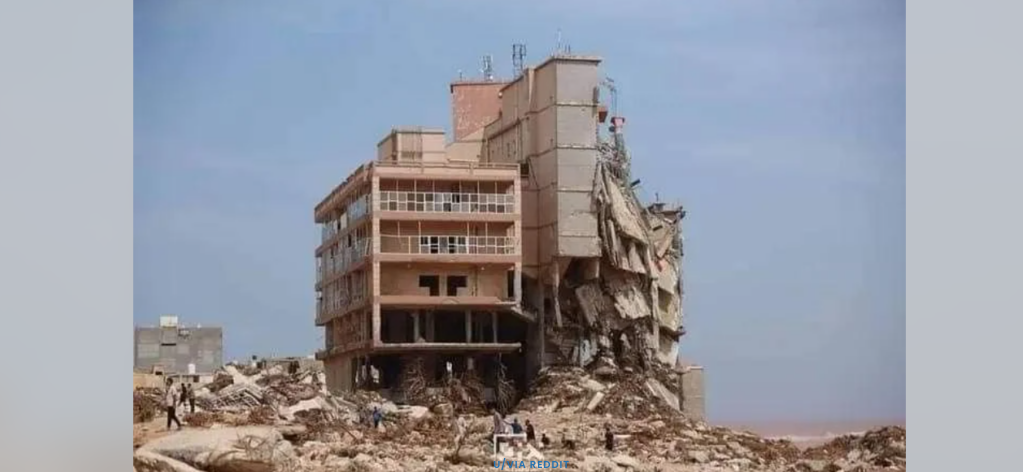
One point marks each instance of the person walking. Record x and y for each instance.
(183, 394)
(192, 399)
(610, 439)
(170, 403)
(377, 417)
(530, 432)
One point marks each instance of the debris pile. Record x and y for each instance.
(146, 404)
(268, 421)
(881, 448)
(626, 394)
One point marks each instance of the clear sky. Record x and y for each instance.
(779, 125)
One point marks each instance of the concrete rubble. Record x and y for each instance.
(285, 431)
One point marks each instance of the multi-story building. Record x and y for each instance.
(453, 252)
(421, 255)
(173, 348)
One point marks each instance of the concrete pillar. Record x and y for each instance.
(416, 325)
(469, 326)
(375, 324)
(494, 326)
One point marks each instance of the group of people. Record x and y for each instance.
(501, 426)
(174, 397)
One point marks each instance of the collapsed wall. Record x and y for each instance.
(624, 308)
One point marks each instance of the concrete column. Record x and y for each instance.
(416, 325)
(375, 324)
(469, 326)
(494, 326)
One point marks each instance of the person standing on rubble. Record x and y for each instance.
(499, 427)
(531, 438)
(610, 439)
(171, 402)
(183, 394)
(377, 417)
(192, 399)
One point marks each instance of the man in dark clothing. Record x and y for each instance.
(610, 439)
(517, 428)
(377, 417)
(545, 441)
(192, 399)
(530, 432)
(183, 394)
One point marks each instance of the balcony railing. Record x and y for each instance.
(344, 259)
(341, 300)
(447, 202)
(356, 210)
(437, 244)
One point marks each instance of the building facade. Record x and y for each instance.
(516, 243)
(172, 348)
(420, 255)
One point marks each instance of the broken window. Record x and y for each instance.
(453, 283)
(430, 282)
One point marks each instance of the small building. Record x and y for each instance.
(178, 351)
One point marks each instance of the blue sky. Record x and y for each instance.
(779, 125)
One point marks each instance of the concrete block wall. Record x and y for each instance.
(202, 347)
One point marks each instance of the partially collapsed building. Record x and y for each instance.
(517, 244)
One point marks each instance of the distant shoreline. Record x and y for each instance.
(809, 433)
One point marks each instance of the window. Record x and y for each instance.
(431, 282)
(453, 283)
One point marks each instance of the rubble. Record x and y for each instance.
(262, 422)
(146, 403)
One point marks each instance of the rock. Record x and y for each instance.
(146, 461)
(814, 465)
(245, 449)
(626, 461)
(691, 434)
(738, 449)
(854, 455)
(660, 391)
(698, 456)
(291, 431)
(417, 412)
(591, 405)
(599, 464)
(443, 409)
(593, 385)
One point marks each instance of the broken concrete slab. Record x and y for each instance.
(243, 449)
(146, 461)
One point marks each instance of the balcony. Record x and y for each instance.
(341, 302)
(449, 249)
(353, 212)
(448, 244)
(447, 202)
(343, 260)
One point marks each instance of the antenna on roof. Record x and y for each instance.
(519, 51)
(559, 47)
(487, 68)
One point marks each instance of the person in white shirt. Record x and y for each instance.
(171, 403)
